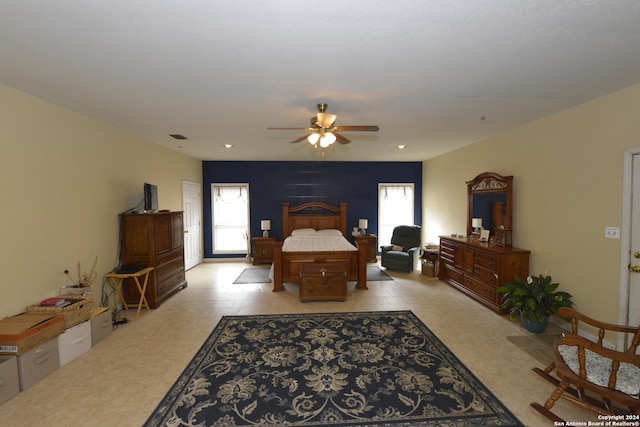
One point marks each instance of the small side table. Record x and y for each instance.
(116, 280)
(430, 256)
(372, 249)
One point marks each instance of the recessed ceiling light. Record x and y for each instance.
(227, 145)
(177, 136)
(401, 147)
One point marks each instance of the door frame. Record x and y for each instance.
(625, 239)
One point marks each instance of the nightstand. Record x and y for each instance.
(372, 249)
(262, 252)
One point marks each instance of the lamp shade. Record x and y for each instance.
(476, 222)
(363, 223)
(265, 224)
(325, 120)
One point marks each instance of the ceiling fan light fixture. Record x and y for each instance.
(327, 139)
(324, 139)
(325, 120)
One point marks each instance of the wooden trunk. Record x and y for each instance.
(323, 282)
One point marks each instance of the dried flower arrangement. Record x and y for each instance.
(84, 280)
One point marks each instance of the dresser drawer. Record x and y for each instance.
(483, 290)
(485, 275)
(448, 246)
(451, 273)
(168, 257)
(165, 270)
(447, 257)
(170, 283)
(486, 260)
(447, 253)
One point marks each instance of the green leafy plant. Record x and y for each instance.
(534, 298)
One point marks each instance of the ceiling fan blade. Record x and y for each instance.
(302, 138)
(341, 139)
(356, 128)
(289, 128)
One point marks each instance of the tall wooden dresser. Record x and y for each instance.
(155, 240)
(478, 268)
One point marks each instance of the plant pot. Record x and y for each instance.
(533, 325)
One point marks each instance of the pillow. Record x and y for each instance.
(397, 248)
(329, 232)
(304, 232)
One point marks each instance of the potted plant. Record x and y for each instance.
(535, 300)
(81, 285)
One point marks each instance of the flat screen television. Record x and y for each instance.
(150, 197)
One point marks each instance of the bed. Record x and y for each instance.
(316, 216)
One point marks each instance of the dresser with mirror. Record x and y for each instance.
(478, 263)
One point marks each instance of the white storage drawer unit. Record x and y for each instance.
(37, 363)
(74, 342)
(9, 382)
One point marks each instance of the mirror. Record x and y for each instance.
(490, 200)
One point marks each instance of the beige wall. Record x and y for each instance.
(65, 178)
(568, 174)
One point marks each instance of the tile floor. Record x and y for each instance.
(120, 381)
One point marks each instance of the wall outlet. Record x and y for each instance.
(612, 232)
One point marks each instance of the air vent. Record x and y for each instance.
(176, 136)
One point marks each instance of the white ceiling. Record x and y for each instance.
(435, 75)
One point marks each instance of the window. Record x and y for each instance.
(395, 207)
(230, 220)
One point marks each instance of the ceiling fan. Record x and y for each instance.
(323, 132)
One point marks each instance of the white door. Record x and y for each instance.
(191, 206)
(629, 299)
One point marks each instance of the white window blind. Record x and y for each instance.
(230, 211)
(395, 207)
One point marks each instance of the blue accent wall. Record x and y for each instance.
(271, 183)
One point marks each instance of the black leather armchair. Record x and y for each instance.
(401, 254)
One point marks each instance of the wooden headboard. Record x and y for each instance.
(314, 215)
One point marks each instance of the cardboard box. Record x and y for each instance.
(21, 333)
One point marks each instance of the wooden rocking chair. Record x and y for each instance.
(596, 378)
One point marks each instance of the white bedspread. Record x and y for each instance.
(317, 244)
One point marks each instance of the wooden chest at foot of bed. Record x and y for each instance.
(323, 282)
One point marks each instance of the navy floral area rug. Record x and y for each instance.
(368, 369)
